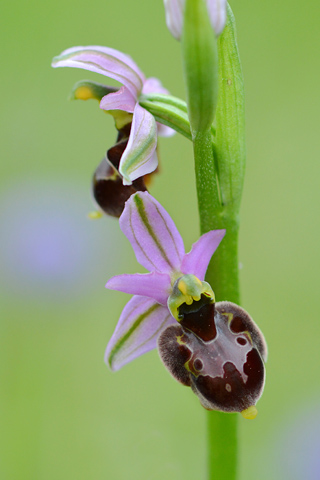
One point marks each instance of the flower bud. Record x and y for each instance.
(174, 15)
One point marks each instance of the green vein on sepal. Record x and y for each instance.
(155, 334)
(139, 155)
(144, 217)
(166, 100)
(129, 332)
(168, 110)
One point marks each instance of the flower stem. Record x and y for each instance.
(222, 427)
(219, 168)
(222, 274)
(206, 181)
(222, 445)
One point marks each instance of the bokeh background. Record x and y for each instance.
(64, 415)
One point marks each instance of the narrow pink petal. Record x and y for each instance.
(164, 131)
(197, 260)
(152, 233)
(120, 100)
(107, 61)
(138, 159)
(174, 16)
(153, 85)
(154, 285)
(217, 14)
(141, 322)
(109, 51)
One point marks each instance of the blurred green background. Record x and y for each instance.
(64, 415)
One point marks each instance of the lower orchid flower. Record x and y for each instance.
(215, 348)
(139, 157)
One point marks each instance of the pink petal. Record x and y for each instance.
(104, 60)
(141, 322)
(217, 14)
(164, 131)
(174, 15)
(153, 85)
(120, 100)
(152, 233)
(154, 285)
(138, 159)
(197, 260)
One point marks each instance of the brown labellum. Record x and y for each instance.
(222, 360)
(108, 190)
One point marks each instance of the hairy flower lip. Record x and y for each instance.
(159, 248)
(224, 368)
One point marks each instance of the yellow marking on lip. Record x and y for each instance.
(229, 315)
(245, 332)
(250, 413)
(179, 340)
(249, 336)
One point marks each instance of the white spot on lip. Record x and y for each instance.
(228, 387)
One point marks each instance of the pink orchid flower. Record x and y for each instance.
(140, 156)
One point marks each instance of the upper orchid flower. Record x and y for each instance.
(175, 9)
(215, 348)
(139, 157)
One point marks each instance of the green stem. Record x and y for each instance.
(206, 181)
(222, 445)
(223, 270)
(209, 67)
(222, 274)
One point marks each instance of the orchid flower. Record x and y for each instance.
(139, 157)
(174, 9)
(213, 347)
